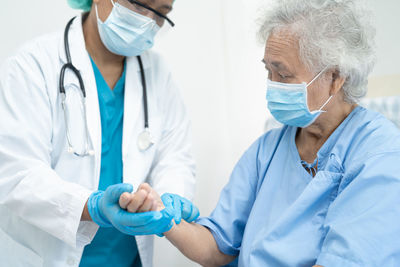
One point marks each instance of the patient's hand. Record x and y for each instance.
(144, 199)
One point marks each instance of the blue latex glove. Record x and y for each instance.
(103, 207)
(182, 207)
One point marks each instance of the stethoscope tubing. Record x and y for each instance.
(77, 73)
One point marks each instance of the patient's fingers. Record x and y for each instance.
(126, 197)
(146, 206)
(155, 206)
(124, 200)
(146, 187)
(137, 200)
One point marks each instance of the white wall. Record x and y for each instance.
(216, 60)
(387, 21)
(23, 20)
(385, 79)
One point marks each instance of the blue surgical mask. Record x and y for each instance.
(126, 32)
(288, 103)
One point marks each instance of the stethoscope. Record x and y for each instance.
(144, 140)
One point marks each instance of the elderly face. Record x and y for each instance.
(282, 60)
(162, 6)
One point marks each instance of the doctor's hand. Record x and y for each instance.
(104, 209)
(182, 207)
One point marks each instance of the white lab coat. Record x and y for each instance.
(43, 188)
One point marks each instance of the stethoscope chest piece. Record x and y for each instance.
(145, 140)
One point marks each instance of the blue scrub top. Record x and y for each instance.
(274, 213)
(111, 247)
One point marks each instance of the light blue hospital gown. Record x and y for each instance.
(273, 213)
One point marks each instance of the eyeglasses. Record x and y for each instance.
(147, 11)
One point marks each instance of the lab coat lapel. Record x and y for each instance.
(81, 60)
(133, 102)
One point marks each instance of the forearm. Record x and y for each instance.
(198, 244)
(86, 214)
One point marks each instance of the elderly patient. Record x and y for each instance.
(325, 188)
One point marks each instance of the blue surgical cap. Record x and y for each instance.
(85, 5)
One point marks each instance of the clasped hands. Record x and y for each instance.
(139, 213)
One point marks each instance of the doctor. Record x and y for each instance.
(83, 111)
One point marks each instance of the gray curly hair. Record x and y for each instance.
(335, 33)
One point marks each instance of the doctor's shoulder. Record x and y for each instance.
(160, 69)
(155, 60)
(34, 57)
(166, 88)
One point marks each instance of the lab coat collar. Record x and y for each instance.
(132, 102)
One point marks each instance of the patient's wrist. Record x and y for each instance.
(172, 230)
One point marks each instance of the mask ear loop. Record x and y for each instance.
(97, 13)
(316, 77)
(319, 74)
(326, 103)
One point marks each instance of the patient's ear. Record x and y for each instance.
(337, 82)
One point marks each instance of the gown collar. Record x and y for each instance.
(326, 148)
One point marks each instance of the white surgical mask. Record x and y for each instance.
(288, 103)
(126, 32)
